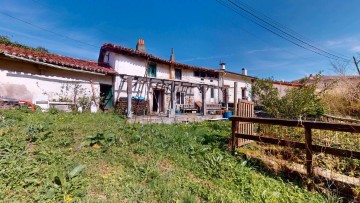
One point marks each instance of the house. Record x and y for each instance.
(283, 86)
(169, 86)
(333, 83)
(41, 77)
(134, 80)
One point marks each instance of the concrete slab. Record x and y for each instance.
(182, 118)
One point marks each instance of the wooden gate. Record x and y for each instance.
(244, 109)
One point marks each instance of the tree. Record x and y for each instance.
(5, 40)
(298, 102)
(344, 97)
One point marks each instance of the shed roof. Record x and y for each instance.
(55, 59)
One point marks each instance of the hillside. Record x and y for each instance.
(102, 158)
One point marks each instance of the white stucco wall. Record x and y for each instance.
(282, 88)
(127, 64)
(136, 67)
(229, 80)
(20, 80)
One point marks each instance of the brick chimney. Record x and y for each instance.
(140, 46)
(172, 56)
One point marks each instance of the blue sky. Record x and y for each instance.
(201, 32)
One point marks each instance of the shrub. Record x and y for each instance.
(298, 102)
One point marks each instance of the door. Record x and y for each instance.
(158, 101)
(106, 97)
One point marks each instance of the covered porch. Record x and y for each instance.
(166, 97)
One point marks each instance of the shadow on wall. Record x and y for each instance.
(15, 91)
(46, 78)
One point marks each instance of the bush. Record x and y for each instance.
(298, 102)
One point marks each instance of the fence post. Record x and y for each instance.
(235, 98)
(309, 157)
(233, 138)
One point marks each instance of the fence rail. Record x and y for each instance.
(307, 145)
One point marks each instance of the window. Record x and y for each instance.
(210, 75)
(152, 70)
(243, 93)
(203, 74)
(180, 97)
(196, 73)
(212, 93)
(178, 74)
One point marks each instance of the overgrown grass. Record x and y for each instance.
(101, 158)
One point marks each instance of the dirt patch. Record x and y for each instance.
(200, 181)
(165, 166)
(30, 148)
(140, 159)
(98, 196)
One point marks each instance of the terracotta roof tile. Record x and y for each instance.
(54, 59)
(128, 51)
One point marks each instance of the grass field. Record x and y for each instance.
(65, 157)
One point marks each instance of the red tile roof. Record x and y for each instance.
(127, 51)
(292, 84)
(54, 59)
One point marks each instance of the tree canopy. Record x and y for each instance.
(298, 102)
(5, 40)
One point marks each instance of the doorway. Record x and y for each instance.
(158, 101)
(106, 97)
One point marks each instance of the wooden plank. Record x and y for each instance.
(129, 96)
(336, 152)
(235, 98)
(203, 99)
(278, 164)
(233, 137)
(353, 128)
(309, 157)
(300, 145)
(270, 140)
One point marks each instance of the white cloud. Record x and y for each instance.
(341, 42)
(355, 48)
(263, 50)
(207, 57)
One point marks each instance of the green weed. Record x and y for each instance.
(102, 158)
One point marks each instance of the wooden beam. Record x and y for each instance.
(129, 96)
(203, 98)
(309, 157)
(300, 145)
(278, 165)
(227, 98)
(233, 137)
(235, 98)
(353, 128)
(173, 100)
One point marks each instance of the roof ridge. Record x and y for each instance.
(148, 55)
(47, 53)
(56, 59)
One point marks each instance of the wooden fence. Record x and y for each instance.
(308, 145)
(244, 109)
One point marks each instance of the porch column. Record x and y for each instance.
(129, 96)
(235, 98)
(203, 98)
(227, 98)
(173, 100)
(148, 96)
